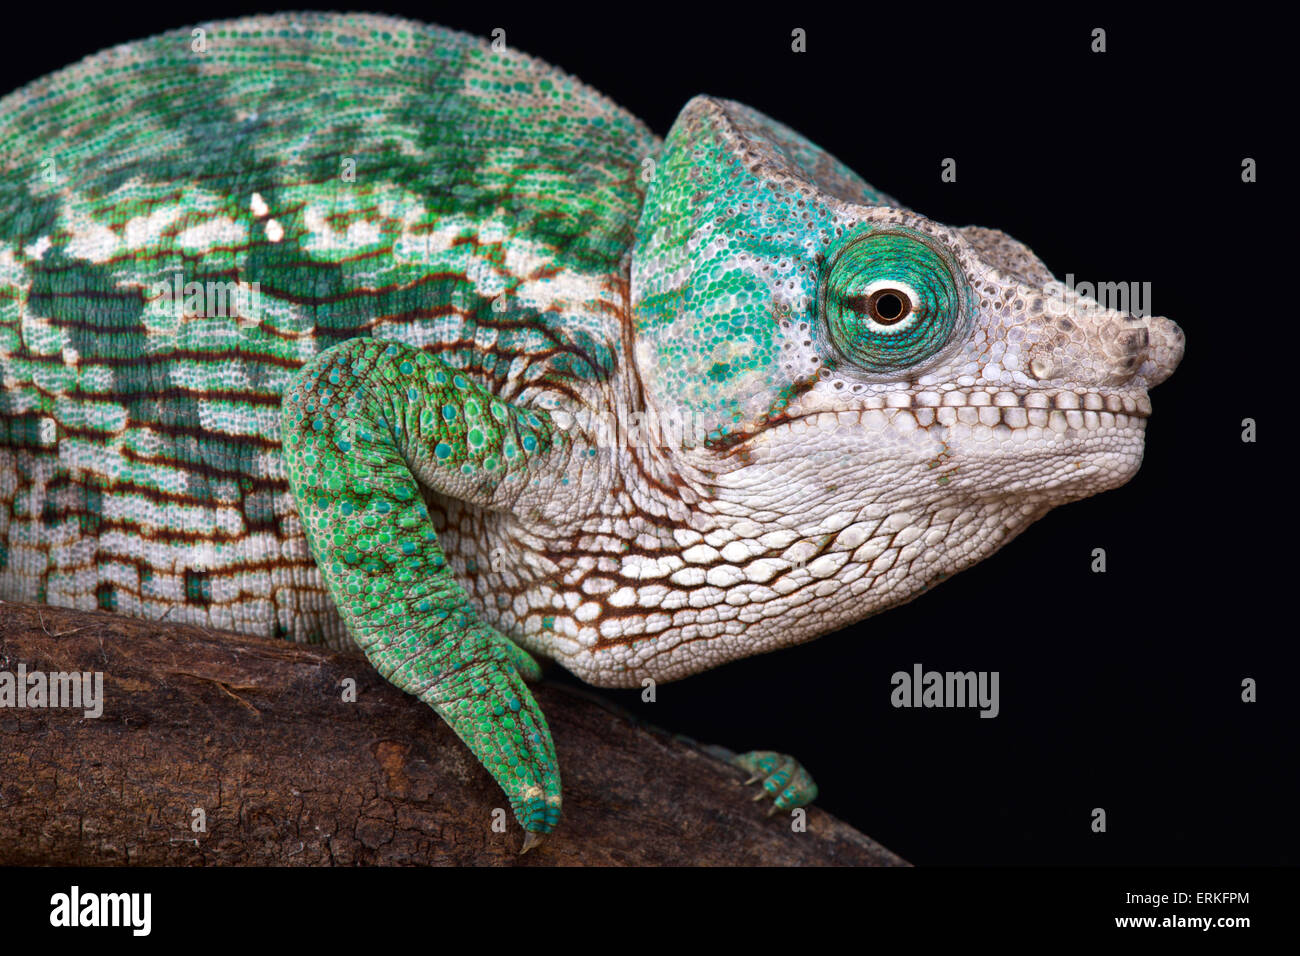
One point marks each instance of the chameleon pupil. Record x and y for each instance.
(887, 307)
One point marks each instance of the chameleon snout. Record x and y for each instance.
(1110, 349)
(1164, 350)
(1149, 347)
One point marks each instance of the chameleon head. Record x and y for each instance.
(881, 400)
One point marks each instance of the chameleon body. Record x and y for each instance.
(501, 373)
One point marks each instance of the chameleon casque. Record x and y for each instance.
(501, 374)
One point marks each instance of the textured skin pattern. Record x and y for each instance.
(517, 373)
(139, 449)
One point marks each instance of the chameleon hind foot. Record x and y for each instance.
(784, 779)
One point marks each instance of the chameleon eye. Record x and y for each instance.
(890, 301)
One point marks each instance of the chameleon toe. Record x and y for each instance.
(784, 779)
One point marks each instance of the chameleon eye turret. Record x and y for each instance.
(891, 301)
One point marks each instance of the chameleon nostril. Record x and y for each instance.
(1136, 340)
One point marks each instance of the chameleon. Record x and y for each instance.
(352, 330)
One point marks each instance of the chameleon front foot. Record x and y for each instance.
(361, 419)
(784, 779)
(486, 702)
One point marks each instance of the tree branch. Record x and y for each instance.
(256, 735)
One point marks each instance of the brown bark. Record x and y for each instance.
(257, 735)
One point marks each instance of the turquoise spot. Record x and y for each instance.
(442, 450)
(406, 368)
(449, 413)
(529, 443)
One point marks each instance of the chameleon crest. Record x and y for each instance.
(350, 329)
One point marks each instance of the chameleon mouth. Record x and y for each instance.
(1064, 411)
(1016, 409)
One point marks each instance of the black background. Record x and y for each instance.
(1118, 690)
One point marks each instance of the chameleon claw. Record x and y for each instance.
(532, 840)
(754, 779)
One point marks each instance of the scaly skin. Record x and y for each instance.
(764, 399)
